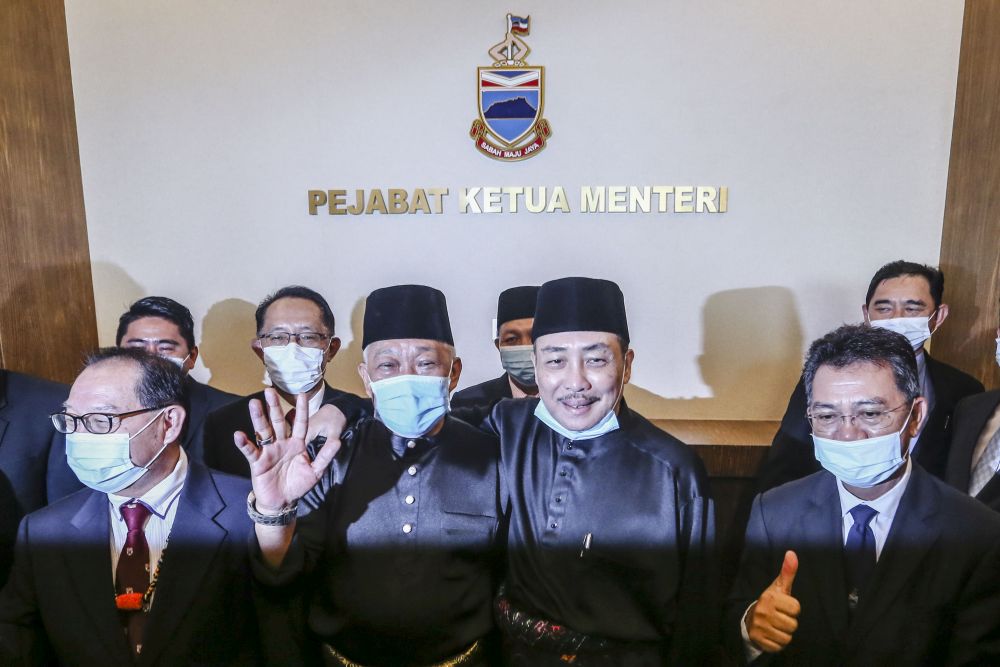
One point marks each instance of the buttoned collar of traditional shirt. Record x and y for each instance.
(403, 447)
(315, 402)
(886, 506)
(162, 503)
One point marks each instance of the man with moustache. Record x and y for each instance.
(609, 542)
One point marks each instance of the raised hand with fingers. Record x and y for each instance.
(281, 470)
(773, 618)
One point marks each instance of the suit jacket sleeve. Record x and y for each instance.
(757, 570)
(22, 638)
(975, 638)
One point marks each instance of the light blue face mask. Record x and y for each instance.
(862, 463)
(517, 361)
(608, 424)
(410, 405)
(103, 461)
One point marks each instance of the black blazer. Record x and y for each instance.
(33, 469)
(935, 596)
(791, 455)
(219, 452)
(201, 400)
(59, 605)
(971, 416)
(485, 394)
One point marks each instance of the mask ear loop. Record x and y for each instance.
(936, 326)
(155, 456)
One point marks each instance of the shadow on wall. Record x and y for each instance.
(751, 360)
(114, 291)
(224, 349)
(342, 372)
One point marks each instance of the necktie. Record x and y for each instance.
(860, 552)
(986, 466)
(132, 573)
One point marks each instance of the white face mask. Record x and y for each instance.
(862, 463)
(294, 369)
(916, 329)
(104, 461)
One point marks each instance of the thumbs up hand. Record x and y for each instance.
(773, 618)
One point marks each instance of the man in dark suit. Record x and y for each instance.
(975, 450)
(33, 470)
(295, 341)
(512, 338)
(148, 566)
(162, 326)
(907, 298)
(876, 561)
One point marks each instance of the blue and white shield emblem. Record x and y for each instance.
(510, 101)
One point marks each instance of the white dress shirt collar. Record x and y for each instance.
(315, 402)
(159, 498)
(886, 506)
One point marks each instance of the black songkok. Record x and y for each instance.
(516, 303)
(580, 304)
(406, 311)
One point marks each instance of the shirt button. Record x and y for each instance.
(563, 473)
(553, 525)
(558, 499)
(409, 500)
(412, 470)
(569, 446)
(410, 444)
(407, 528)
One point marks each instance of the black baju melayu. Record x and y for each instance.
(396, 550)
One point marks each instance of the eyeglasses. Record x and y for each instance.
(282, 338)
(824, 423)
(98, 423)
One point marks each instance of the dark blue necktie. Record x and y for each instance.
(859, 552)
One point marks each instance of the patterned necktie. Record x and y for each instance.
(860, 552)
(132, 573)
(986, 466)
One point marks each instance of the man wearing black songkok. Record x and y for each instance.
(610, 540)
(512, 338)
(393, 544)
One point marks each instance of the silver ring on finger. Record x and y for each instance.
(264, 442)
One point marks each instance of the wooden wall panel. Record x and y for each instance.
(970, 240)
(47, 319)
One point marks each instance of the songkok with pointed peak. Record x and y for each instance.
(580, 304)
(406, 311)
(517, 303)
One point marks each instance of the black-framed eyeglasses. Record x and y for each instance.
(824, 422)
(98, 423)
(282, 338)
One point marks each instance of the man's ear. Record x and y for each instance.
(629, 356)
(456, 372)
(919, 416)
(331, 351)
(173, 420)
(496, 343)
(939, 317)
(255, 347)
(864, 313)
(192, 357)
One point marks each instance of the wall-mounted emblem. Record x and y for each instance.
(511, 97)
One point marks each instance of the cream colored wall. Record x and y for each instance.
(203, 124)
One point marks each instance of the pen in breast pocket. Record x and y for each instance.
(587, 540)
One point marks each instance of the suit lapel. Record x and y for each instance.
(89, 566)
(822, 529)
(194, 540)
(912, 536)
